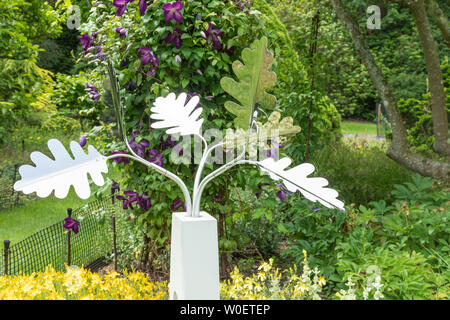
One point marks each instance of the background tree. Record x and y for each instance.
(399, 150)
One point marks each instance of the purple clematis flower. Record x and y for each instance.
(71, 224)
(142, 7)
(172, 12)
(100, 54)
(144, 202)
(273, 152)
(82, 142)
(93, 91)
(315, 209)
(168, 143)
(122, 32)
(148, 57)
(86, 42)
(129, 85)
(177, 204)
(243, 4)
(121, 159)
(128, 202)
(140, 147)
(115, 185)
(155, 157)
(283, 192)
(121, 6)
(213, 34)
(124, 62)
(175, 37)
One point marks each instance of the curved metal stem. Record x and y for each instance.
(161, 170)
(212, 175)
(198, 174)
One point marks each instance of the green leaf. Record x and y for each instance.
(255, 78)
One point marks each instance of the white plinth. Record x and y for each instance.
(194, 258)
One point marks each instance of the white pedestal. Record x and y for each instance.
(194, 258)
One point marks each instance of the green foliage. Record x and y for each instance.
(359, 170)
(405, 275)
(317, 230)
(24, 87)
(417, 116)
(254, 78)
(71, 100)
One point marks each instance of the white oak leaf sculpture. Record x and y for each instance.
(176, 116)
(296, 178)
(62, 172)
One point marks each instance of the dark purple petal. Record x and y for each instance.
(124, 62)
(86, 42)
(122, 32)
(177, 204)
(178, 17)
(168, 16)
(144, 143)
(178, 5)
(142, 7)
(167, 7)
(82, 141)
(121, 11)
(281, 195)
(130, 193)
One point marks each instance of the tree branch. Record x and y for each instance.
(439, 18)
(433, 64)
(399, 150)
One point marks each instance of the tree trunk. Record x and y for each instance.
(430, 52)
(439, 18)
(398, 150)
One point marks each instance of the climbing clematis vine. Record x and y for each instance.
(175, 37)
(142, 7)
(121, 6)
(122, 32)
(86, 42)
(172, 12)
(148, 57)
(212, 35)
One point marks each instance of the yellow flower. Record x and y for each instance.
(322, 281)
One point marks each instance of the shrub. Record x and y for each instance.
(405, 275)
(359, 170)
(270, 283)
(316, 230)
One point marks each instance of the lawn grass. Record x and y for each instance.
(358, 127)
(22, 221)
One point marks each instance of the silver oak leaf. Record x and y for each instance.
(62, 172)
(176, 116)
(296, 178)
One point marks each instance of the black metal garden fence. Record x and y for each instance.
(57, 246)
(8, 197)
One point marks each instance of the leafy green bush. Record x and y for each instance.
(71, 99)
(359, 170)
(317, 230)
(416, 114)
(405, 275)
